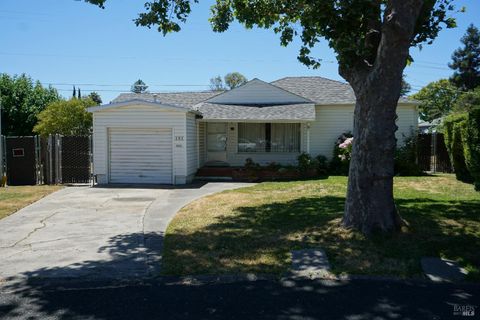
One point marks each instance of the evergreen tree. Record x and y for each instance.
(466, 61)
(139, 87)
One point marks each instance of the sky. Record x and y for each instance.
(69, 42)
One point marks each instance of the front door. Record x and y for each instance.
(216, 143)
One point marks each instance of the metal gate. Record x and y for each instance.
(23, 160)
(75, 159)
(52, 160)
(432, 153)
(68, 159)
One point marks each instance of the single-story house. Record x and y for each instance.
(166, 137)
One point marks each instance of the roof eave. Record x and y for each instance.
(164, 106)
(256, 120)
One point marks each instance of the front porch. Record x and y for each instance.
(226, 145)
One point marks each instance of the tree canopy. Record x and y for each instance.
(139, 86)
(354, 32)
(216, 84)
(466, 61)
(468, 101)
(234, 79)
(230, 81)
(436, 99)
(66, 117)
(22, 99)
(95, 97)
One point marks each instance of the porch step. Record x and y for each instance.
(201, 178)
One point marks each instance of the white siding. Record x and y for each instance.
(332, 121)
(191, 143)
(138, 116)
(257, 92)
(234, 158)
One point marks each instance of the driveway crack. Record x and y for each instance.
(43, 223)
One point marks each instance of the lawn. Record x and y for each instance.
(254, 229)
(13, 198)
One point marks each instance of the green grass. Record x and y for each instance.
(13, 198)
(254, 229)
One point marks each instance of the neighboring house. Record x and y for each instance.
(429, 126)
(166, 137)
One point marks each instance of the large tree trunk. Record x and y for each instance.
(370, 206)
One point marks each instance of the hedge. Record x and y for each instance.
(471, 145)
(453, 126)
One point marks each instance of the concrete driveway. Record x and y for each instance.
(82, 232)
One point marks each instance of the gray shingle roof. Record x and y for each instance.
(213, 111)
(321, 90)
(182, 99)
(317, 89)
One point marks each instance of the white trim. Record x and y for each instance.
(258, 121)
(308, 137)
(197, 126)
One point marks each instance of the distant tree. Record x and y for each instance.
(468, 101)
(95, 97)
(66, 117)
(139, 87)
(466, 61)
(406, 87)
(234, 79)
(436, 99)
(216, 84)
(79, 94)
(22, 100)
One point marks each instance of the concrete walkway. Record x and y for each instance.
(98, 233)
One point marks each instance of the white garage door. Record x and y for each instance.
(140, 155)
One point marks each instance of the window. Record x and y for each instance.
(268, 137)
(216, 136)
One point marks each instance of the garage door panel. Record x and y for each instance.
(140, 155)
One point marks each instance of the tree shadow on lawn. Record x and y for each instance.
(33, 298)
(276, 228)
(259, 239)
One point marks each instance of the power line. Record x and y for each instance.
(121, 85)
(420, 64)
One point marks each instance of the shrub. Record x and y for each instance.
(406, 158)
(453, 126)
(341, 155)
(251, 165)
(273, 166)
(471, 145)
(306, 163)
(322, 165)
